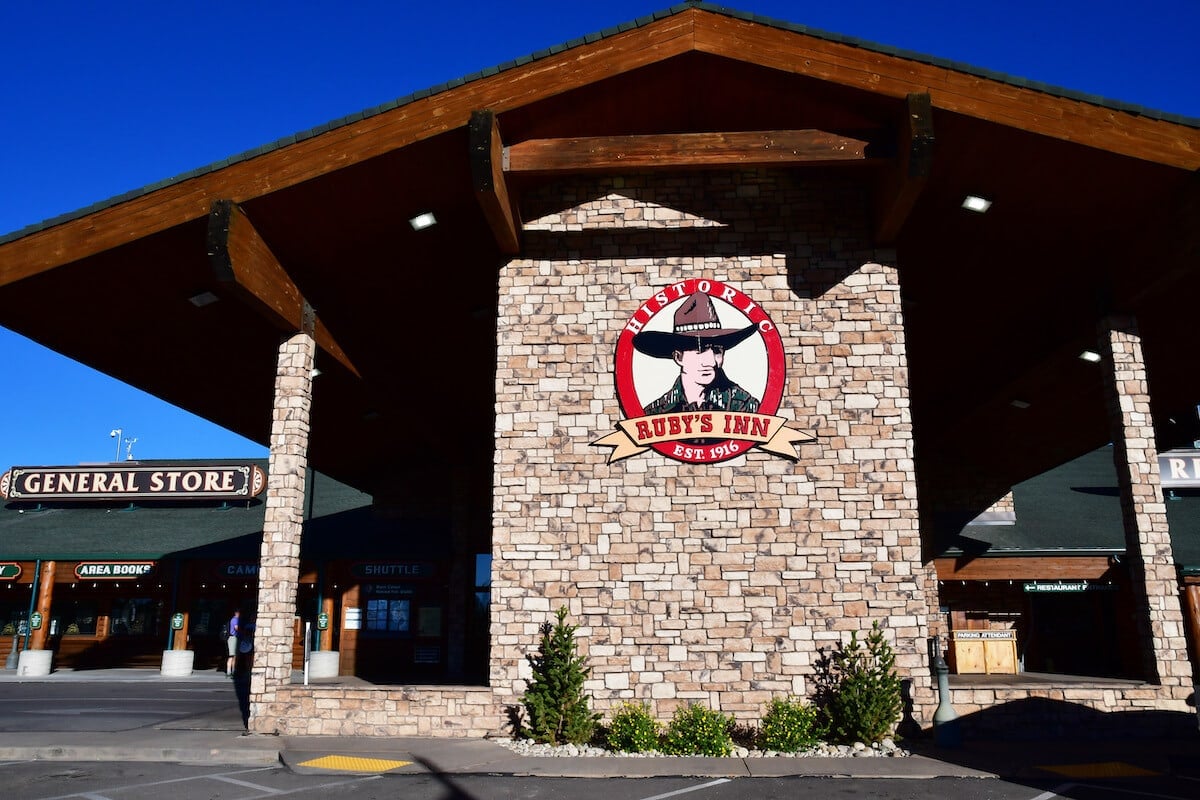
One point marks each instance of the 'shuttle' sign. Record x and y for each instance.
(117, 482)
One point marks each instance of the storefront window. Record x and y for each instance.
(73, 618)
(388, 615)
(135, 617)
(11, 615)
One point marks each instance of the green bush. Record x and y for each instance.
(863, 703)
(789, 725)
(633, 730)
(556, 709)
(696, 730)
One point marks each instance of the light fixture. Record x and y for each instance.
(203, 299)
(422, 221)
(1089, 355)
(1022, 404)
(974, 202)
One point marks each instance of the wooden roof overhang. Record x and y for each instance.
(1095, 212)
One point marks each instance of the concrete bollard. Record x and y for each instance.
(33, 663)
(324, 664)
(177, 663)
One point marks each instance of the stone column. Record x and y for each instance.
(279, 569)
(1147, 536)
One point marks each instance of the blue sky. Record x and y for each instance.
(97, 99)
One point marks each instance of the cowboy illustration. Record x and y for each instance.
(698, 345)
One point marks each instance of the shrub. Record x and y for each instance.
(556, 709)
(633, 730)
(789, 725)
(696, 730)
(863, 702)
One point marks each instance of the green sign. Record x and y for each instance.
(35, 620)
(9, 571)
(322, 621)
(177, 622)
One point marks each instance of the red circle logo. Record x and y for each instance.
(699, 372)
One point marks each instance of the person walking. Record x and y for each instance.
(232, 642)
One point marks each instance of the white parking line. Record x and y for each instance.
(717, 782)
(1065, 787)
(1127, 792)
(244, 784)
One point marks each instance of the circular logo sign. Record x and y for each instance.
(699, 373)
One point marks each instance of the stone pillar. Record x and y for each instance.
(279, 569)
(1147, 535)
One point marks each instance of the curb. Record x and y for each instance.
(240, 758)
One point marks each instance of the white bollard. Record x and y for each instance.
(34, 662)
(324, 664)
(177, 663)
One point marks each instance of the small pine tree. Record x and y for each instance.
(863, 701)
(556, 709)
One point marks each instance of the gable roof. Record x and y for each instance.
(1093, 200)
(431, 91)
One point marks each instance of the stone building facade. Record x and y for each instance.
(693, 582)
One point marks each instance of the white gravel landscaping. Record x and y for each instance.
(885, 749)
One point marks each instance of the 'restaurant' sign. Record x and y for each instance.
(1179, 469)
(699, 373)
(227, 482)
(112, 570)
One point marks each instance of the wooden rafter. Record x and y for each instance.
(242, 260)
(683, 151)
(904, 183)
(491, 190)
(692, 30)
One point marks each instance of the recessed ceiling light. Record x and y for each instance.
(1088, 355)
(203, 299)
(422, 221)
(974, 202)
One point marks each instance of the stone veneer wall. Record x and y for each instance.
(716, 584)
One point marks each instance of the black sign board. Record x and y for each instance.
(119, 482)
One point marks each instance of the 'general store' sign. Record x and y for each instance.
(227, 482)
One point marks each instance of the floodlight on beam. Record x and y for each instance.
(974, 202)
(422, 221)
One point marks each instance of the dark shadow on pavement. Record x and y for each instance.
(1045, 743)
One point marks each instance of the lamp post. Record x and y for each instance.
(115, 433)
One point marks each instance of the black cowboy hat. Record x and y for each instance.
(696, 326)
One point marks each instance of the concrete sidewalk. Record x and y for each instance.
(220, 738)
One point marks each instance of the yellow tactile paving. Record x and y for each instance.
(353, 764)
(1107, 769)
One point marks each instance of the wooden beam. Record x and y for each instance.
(1044, 567)
(969, 94)
(689, 31)
(683, 151)
(904, 184)
(491, 190)
(242, 260)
